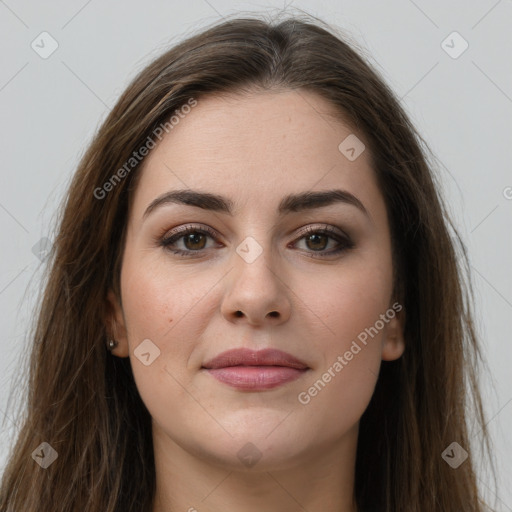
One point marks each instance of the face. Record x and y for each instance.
(277, 264)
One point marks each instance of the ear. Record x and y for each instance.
(393, 344)
(116, 326)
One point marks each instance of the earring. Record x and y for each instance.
(112, 344)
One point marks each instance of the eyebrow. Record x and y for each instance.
(291, 203)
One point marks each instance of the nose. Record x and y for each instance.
(256, 292)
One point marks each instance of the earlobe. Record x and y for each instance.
(393, 345)
(116, 327)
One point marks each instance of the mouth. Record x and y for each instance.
(250, 370)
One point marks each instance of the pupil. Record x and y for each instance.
(315, 238)
(194, 238)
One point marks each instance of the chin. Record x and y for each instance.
(252, 455)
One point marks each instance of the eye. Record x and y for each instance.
(317, 240)
(193, 240)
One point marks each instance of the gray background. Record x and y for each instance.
(462, 106)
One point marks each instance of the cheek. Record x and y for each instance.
(159, 308)
(350, 300)
(159, 301)
(172, 308)
(350, 305)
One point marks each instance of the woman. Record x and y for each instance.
(254, 301)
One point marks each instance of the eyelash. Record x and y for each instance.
(344, 241)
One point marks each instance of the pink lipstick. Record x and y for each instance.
(251, 370)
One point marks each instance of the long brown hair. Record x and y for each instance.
(84, 403)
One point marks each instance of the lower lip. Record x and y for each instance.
(255, 378)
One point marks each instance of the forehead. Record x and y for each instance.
(255, 148)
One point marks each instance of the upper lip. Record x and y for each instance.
(248, 357)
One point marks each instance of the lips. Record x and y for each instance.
(246, 369)
(248, 357)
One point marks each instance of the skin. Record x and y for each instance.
(254, 149)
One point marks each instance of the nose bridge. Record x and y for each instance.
(254, 262)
